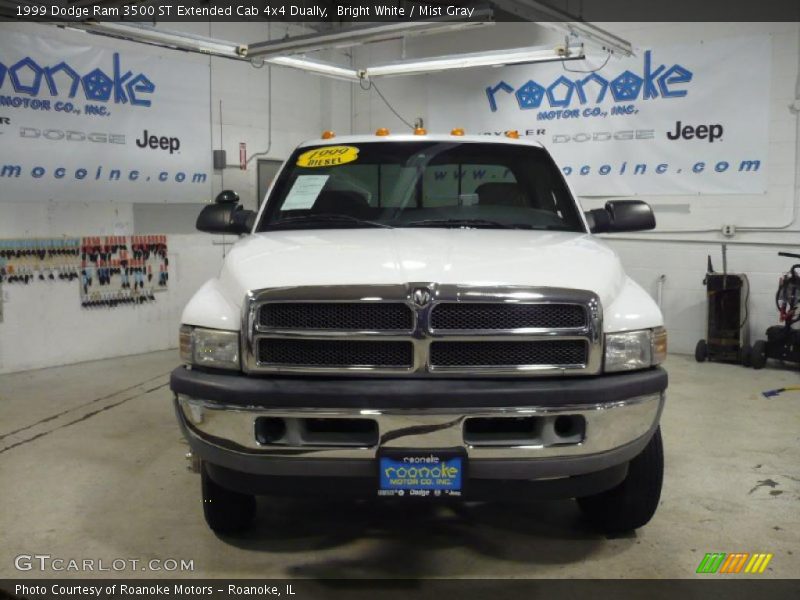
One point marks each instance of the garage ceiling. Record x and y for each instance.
(335, 34)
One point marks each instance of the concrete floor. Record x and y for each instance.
(91, 466)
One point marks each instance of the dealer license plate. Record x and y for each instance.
(421, 474)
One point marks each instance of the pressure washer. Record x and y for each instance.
(783, 341)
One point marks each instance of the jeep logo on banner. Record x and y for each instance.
(670, 120)
(76, 119)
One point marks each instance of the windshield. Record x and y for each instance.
(421, 184)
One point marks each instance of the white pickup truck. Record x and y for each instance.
(423, 318)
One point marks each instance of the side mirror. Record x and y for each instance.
(621, 215)
(227, 197)
(226, 215)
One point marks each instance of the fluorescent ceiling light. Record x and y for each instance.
(163, 37)
(181, 41)
(592, 34)
(315, 66)
(563, 22)
(353, 36)
(476, 59)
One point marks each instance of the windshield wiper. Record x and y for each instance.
(476, 223)
(326, 218)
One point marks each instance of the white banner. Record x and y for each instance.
(92, 123)
(689, 119)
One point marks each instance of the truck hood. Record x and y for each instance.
(482, 257)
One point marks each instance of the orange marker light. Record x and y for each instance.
(328, 134)
(457, 131)
(382, 131)
(513, 134)
(420, 131)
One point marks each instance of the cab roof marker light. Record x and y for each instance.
(513, 56)
(457, 131)
(382, 132)
(328, 135)
(314, 66)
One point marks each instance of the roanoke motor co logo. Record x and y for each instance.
(31, 78)
(734, 563)
(564, 92)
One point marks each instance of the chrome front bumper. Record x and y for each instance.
(609, 427)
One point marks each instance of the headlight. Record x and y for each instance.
(209, 347)
(632, 350)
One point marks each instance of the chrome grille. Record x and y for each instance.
(534, 354)
(335, 353)
(483, 315)
(422, 329)
(349, 316)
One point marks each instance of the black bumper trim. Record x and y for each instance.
(296, 392)
(365, 487)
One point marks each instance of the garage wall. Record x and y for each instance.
(44, 324)
(691, 224)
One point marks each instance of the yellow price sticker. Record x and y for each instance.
(328, 156)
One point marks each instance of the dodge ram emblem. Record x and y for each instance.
(421, 296)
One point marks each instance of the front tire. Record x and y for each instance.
(632, 503)
(226, 512)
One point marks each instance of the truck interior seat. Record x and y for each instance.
(501, 194)
(340, 202)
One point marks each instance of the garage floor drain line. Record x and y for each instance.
(84, 405)
(77, 414)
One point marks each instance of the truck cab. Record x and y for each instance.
(423, 318)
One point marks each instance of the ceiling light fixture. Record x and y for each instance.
(354, 36)
(592, 34)
(314, 66)
(546, 16)
(477, 59)
(163, 37)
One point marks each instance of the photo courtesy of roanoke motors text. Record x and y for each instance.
(399, 299)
